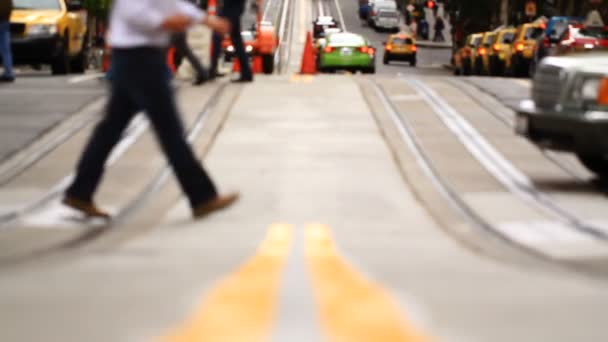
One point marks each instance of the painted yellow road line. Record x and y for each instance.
(242, 306)
(351, 308)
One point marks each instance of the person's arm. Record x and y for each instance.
(198, 16)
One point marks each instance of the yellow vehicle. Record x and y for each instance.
(400, 47)
(50, 32)
(501, 51)
(484, 51)
(523, 48)
(464, 57)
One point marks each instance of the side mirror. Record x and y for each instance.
(75, 5)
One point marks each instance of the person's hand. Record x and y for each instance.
(217, 24)
(176, 23)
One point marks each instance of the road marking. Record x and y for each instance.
(85, 78)
(297, 78)
(351, 307)
(242, 306)
(340, 15)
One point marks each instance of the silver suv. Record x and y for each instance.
(569, 109)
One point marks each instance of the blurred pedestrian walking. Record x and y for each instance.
(439, 27)
(180, 41)
(232, 10)
(139, 36)
(6, 8)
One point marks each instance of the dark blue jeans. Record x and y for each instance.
(5, 48)
(139, 81)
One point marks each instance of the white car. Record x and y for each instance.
(384, 15)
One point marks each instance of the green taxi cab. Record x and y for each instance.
(347, 51)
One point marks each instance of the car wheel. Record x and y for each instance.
(79, 63)
(61, 62)
(532, 68)
(268, 63)
(385, 59)
(413, 62)
(457, 71)
(595, 164)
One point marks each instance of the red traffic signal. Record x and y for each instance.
(430, 4)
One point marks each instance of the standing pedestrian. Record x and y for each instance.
(6, 8)
(439, 27)
(139, 36)
(232, 10)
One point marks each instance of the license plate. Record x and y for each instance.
(521, 124)
(346, 52)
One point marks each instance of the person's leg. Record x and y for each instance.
(153, 94)
(239, 48)
(216, 48)
(180, 40)
(5, 49)
(119, 112)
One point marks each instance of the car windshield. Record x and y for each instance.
(402, 41)
(386, 4)
(490, 39)
(247, 36)
(598, 33)
(508, 37)
(532, 33)
(37, 4)
(346, 40)
(476, 41)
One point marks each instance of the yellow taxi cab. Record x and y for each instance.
(400, 47)
(50, 32)
(464, 57)
(501, 50)
(523, 47)
(484, 51)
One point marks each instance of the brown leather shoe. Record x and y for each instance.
(87, 208)
(217, 203)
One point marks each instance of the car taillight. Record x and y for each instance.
(364, 49)
(482, 51)
(388, 47)
(519, 47)
(496, 47)
(328, 49)
(414, 48)
(602, 96)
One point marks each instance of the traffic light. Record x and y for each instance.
(431, 4)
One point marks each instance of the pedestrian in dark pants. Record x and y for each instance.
(139, 35)
(232, 10)
(6, 8)
(439, 27)
(180, 42)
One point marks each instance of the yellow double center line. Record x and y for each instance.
(243, 306)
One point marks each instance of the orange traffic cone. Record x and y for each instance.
(257, 64)
(236, 65)
(171, 59)
(309, 65)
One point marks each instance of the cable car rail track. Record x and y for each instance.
(425, 163)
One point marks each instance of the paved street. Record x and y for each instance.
(399, 206)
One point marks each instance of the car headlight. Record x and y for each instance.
(230, 48)
(249, 48)
(41, 29)
(586, 92)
